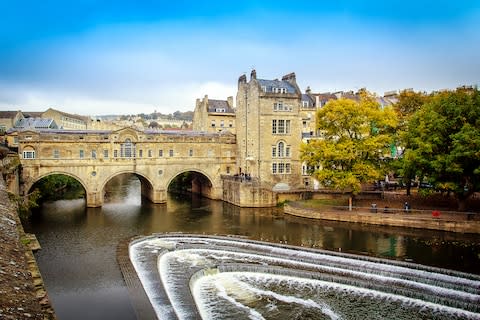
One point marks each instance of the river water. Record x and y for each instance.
(78, 261)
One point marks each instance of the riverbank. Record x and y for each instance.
(22, 295)
(390, 212)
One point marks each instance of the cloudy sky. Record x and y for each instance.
(123, 57)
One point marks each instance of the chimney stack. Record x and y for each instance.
(253, 74)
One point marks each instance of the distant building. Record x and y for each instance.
(214, 115)
(66, 120)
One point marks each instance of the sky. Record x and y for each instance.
(95, 57)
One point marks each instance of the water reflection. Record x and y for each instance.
(78, 256)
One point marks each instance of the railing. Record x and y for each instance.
(433, 213)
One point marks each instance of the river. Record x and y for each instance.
(83, 280)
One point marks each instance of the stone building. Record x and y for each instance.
(269, 131)
(66, 120)
(214, 115)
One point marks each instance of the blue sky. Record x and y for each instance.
(124, 57)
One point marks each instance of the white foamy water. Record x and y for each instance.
(195, 276)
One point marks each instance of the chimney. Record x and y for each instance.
(290, 77)
(253, 74)
(242, 79)
(308, 91)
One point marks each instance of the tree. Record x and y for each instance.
(444, 143)
(408, 103)
(355, 137)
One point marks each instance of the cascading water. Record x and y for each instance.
(194, 276)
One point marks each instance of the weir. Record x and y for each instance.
(212, 276)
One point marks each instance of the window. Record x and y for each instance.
(170, 153)
(287, 126)
(115, 153)
(56, 153)
(213, 123)
(127, 149)
(278, 106)
(160, 153)
(105, 153)
(230, 123)
(287, 151)
(281, 126)
(140, 153)
(305, 104)
(281, 149)
(149, 153)
(29, 154)
(222, 123)
(94, 154)
(281, 168)
(228, 170)
(190, 153)
(264, 88)
(82, 154)
(210, 153)
(274, 152)
(220, 110)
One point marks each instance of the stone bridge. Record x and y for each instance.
(155, 157)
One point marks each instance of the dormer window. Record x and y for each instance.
(305, 104)
(220, 110)
(264, 88)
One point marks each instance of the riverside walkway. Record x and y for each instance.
(433, 219)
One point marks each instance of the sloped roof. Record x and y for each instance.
(309, 98)
(86, 119)
(269, 84)
(32, 114)
(35, 123)
(213, 105)
(8, 114)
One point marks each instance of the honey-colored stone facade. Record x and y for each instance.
(214, 115)
(269, 131)
(95, 157)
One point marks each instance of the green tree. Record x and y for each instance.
(444, 143)
(408, 103)
(58, 186)
(355, 137)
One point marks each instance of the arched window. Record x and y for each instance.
(281, 149)
(28, 153)
(127, 149)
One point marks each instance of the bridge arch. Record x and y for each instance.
(201, 182)
(147, 186)
(31, 182)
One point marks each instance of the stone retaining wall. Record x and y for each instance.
(22, 295)
(388, 219)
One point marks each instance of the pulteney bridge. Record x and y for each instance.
(155, 157)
